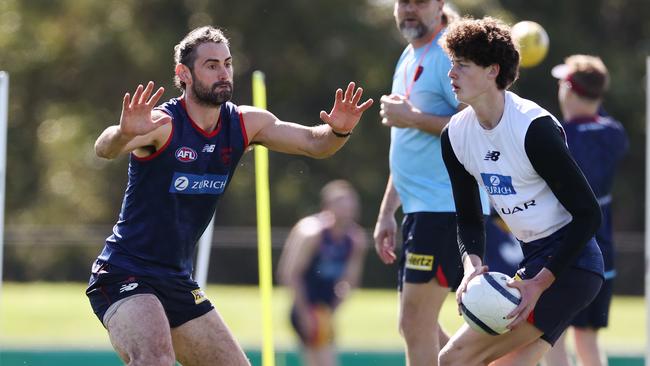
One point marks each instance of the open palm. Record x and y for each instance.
(346, 112)
(136, 112)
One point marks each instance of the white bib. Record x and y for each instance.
(498, 161)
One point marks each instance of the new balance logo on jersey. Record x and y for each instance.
(492, 155)
(497, 184)
(128, 287)
(208, 148)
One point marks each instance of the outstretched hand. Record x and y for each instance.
(346, 112)
(136, 112)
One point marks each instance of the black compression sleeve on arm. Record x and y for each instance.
(469, 214)
(547, 151)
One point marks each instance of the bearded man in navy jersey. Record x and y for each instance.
(183, 155)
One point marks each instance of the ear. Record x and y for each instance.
(183, 72)
(493, 70)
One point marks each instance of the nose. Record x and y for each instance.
(223, 72)
(452, 73)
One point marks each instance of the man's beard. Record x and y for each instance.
(413, 33)
(210, 96)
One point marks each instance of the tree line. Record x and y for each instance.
(70, 63)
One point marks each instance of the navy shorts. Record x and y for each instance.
(571, 292)
(596, 314)
(430, 250)
(182, 299)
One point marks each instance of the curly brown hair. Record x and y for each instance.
(185, 50)
(485, 42)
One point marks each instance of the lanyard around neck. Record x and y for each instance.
(419, 69)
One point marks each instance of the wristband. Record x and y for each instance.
(342, 135)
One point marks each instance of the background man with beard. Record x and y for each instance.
(183, 154)
(419, 106)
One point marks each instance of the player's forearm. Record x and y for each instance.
(324, 142)
(111, 142)
(470, 262)
(391, 202)
(429, 123)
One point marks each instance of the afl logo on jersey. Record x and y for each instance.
(185, 154)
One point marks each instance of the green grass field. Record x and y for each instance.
(58, 316)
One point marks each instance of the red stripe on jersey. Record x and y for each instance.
(197, 127)
(243, 129)
(440, 276)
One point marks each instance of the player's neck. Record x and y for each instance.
(489, 108)
(337, 227)
(580, 111)
(204, 116)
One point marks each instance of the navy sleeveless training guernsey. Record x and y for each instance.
(326, 268)
(172, 194)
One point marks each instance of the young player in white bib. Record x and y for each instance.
(517, 151)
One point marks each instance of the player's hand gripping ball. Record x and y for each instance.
(533, 42)
(486, 302)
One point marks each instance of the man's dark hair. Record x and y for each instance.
(185, 50)
(485, 42)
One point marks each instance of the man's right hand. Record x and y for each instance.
(472, 267)
(136, 112)
(396, 111)
(384, 235)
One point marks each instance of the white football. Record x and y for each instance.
(487, 301)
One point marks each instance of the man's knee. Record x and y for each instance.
(453, 354)
(417, 327)
(163, 356)
(445, 357)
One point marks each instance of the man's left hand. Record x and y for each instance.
(346, 112)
